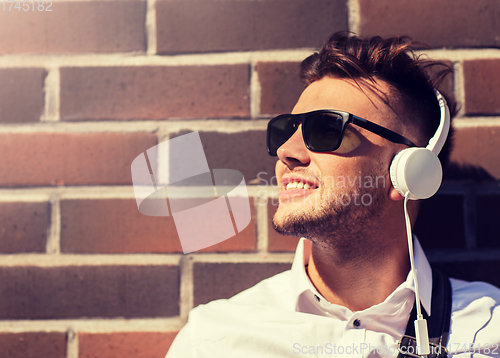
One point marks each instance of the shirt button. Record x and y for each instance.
(356, 323)
(317, 298)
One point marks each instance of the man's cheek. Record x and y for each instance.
(349, 143)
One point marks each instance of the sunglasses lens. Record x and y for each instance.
(279, 130)
(323, 131)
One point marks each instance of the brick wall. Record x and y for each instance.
(88, 86)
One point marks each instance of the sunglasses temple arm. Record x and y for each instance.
(381, 131)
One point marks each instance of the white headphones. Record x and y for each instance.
(418, 171)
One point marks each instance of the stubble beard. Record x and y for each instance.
(332, 225)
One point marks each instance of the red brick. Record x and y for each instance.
(212, 281)
(482, 87)
(488, 220)
(24, 227)
(33, 345)
(478, 149)
(70, 158)
(450, 23)
(214, 25)
(280, 86)
(244, 241)
(487, 271)
(244, 151)
(21, 94)
(154, 92)
(440, 223)
(88, 291)
(114, 226)
(275, 241)
(125, 344)
(80, 26)
(117, 226)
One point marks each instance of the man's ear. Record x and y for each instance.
(394, 195)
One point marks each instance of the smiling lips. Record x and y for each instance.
(296, 186)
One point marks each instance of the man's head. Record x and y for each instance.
(348, 192)
(412, 78)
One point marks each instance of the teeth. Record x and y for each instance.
(295, 185)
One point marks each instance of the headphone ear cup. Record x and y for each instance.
(417, 171)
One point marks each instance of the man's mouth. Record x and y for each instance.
(299, 185)
(292, 182)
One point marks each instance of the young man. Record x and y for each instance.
(351, 289)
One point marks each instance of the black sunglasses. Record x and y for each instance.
(322, 130)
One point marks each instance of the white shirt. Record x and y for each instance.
(285, 316)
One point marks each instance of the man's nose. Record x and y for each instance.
(294, 151)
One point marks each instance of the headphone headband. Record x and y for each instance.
(436, 143)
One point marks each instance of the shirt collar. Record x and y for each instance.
(301, 282)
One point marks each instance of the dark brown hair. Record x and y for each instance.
(394, 61)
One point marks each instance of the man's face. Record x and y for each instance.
(344, 191)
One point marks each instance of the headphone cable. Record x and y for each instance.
(420, 322)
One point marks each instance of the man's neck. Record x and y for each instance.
(361, 283)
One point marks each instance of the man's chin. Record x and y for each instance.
(286, 230)
(292, 224)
